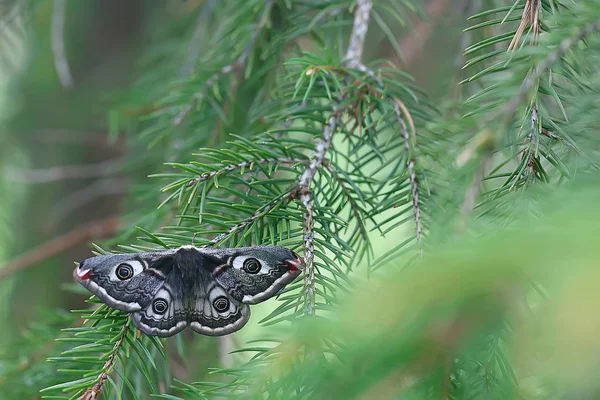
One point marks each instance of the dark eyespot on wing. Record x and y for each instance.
(113, 280)
(124, 271)
(165, 316)
(215, 313)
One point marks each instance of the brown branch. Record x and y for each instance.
(531, 15)
(52, 174)
(77, 236)
(550, 134)
(94, 392)
(82, 197)
(58, 44)
(238, 64)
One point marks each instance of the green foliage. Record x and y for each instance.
(436, 234)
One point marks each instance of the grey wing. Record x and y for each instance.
(214, 312)
(254, 274)
(127, 282)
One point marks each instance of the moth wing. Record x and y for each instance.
(254, 274)
(148, 272)
(215, 312)
(166, 314)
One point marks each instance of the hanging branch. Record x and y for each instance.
(353, 60)
(305, 194)
(237, 65)
(400, 110)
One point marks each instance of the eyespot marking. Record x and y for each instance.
(221, 304)
(160, 306)
(124, 271)
(251, 265)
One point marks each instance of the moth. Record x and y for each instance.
(208, 290)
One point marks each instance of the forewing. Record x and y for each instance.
(254, 274)
(149, 270)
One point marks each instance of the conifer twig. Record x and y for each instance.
(305, 195)
(267, 208)
(79, 235)
(244, 164)
(304, 192)
(58, 44)
(562, 49)
(94, 392)
(237, 65)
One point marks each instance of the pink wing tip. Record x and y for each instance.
(294, 264)
(82, 274)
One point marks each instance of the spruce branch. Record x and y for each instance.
(237, 65)
(105, 338)
(258, 214)
(244, 164)
(93, 392)
(543, 66)
(304, 193)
